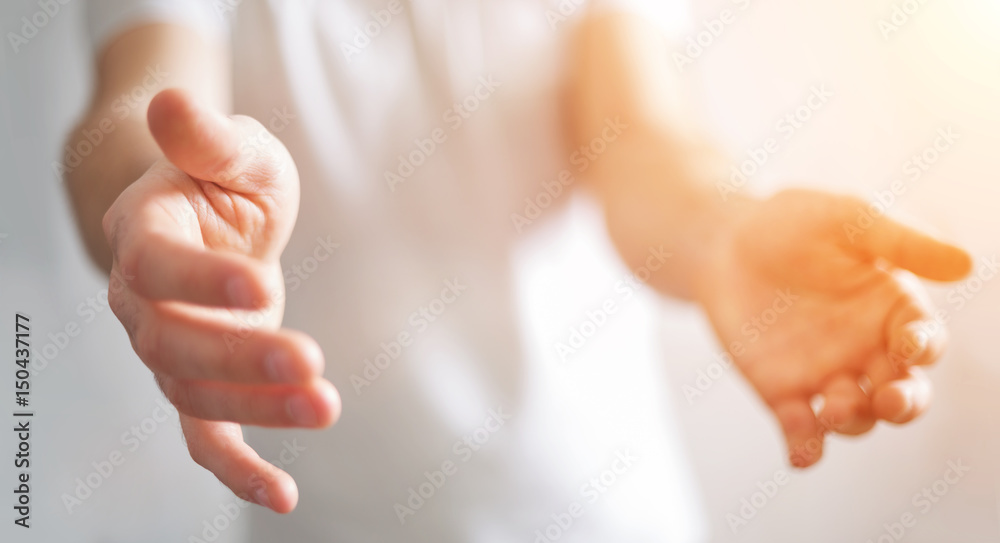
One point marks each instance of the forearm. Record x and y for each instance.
(111, 146)
(100, 177)
(657, 182)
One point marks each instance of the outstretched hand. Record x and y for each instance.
(817, 305)
(197, 283)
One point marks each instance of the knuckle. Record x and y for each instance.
(116, 302)
(112, 223)
(262, 152)
(130, 257)
(125, 309)
(109, 223)
(197, 451)
(147, 344)
(229, 167)
(177, 394)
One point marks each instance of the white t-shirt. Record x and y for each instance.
(500, 373)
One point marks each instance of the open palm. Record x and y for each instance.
(810, 302)
(196, 282)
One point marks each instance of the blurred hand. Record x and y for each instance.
(197, 283)
(817, 314)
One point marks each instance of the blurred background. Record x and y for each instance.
(892, 80)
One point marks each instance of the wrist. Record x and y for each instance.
(720, 255)
(660, 193)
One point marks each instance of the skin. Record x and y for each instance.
(193, 245)
(852, 336)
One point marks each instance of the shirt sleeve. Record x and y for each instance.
(106, 19)
(673, 17)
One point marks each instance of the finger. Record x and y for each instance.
(175, 342)
(199, 140)
(882, 370)
(159, 266)
(912, 344)
(913, 250)
(219, 448)
(210, 146)
(803, 433)
(315, 404)
(846, 408)
(126, 306)
(902, 400)
(912, 338)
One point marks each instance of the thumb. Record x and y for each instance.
(913, 250)
(207, 145)
(200, 141)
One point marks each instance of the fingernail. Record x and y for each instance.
(301, 410)
(907, 403)
(261, 498)
(278, 366)
(797, 460)
(238, 292)
(920, 339)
